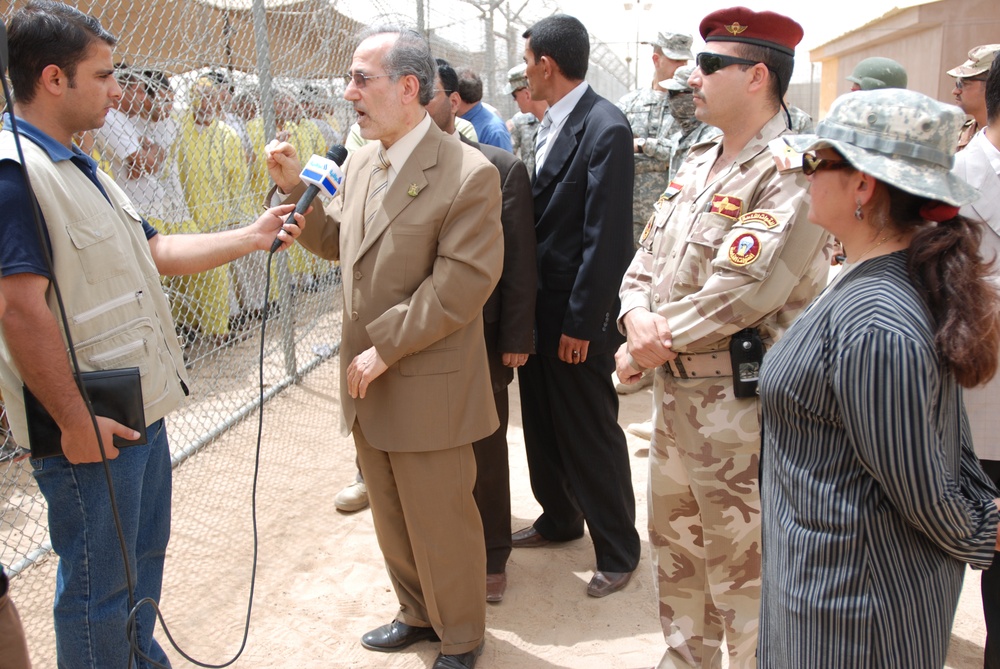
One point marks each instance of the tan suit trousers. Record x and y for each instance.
(431, 536)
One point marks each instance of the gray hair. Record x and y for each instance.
(411, 54)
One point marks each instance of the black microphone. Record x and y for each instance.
(322, 174)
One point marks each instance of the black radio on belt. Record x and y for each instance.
(746, 350)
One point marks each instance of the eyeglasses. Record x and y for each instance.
(710, 63)
(960, 81)
(360, 79)
(676, 94)
(514, 94)
(442, 90)
(811, 164)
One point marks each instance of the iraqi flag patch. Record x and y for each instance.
(672, 189)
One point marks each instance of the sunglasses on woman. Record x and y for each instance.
(710, 63)
(811, 164)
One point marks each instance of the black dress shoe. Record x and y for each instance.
(396, 636)
(463, 661)
(605, 582)
(529, 537)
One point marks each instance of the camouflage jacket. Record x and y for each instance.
(728, 253)
(648, 113)
(522, 139)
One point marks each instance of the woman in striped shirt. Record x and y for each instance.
(872, 498)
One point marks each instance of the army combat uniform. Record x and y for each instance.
(648, 113)
(719, 256)
(522, 139)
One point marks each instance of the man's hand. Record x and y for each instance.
(365, 368)
(283, 164)
(648, 338)
(79, 444)
(625, 366)
(573, 351)
(271, 223)
(514, 359)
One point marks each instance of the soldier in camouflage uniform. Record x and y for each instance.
(523, 126)
(648, 113)
(729, 255)
(687, 129)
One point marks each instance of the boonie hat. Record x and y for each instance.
(679, 82)
(516, 78)
(980, 60)
(675, 46)
(878, 72)
(740, 24)
(901, 137)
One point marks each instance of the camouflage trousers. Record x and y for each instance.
(704, 521)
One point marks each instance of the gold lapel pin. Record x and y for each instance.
(413, 190)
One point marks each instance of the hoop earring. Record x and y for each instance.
(858, 214)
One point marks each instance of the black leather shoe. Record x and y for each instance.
(463, 661)
(396, 636)
(529, 537)
(605, 582)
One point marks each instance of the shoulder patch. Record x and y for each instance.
(762, 217)
(744, 250)
(727, 205)
(785, 157)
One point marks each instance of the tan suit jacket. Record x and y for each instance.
(414, 287)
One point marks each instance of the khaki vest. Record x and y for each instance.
(117, 312)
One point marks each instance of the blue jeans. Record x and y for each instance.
(91, 602)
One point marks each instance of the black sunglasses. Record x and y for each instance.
(961, 81)
(811, 164)
(360, 79)
(710, 63)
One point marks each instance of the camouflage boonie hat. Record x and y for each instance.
(675, 46)
(516, 78)
(901, 137)
(679, 82)
(980, 60)
(878, 72)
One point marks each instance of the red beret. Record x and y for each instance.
(739, 24)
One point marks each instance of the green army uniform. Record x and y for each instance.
(648, 113)
(720, 255)
(522, 139)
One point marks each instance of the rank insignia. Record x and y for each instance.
(762, 217)
(727, 205)
(744, 250)
(413, 190)
(735, 28)
(673, 189)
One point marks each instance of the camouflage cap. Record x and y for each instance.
(980, 60)
(516, 78)
(901, 137)
(878, 72)
(676, 46)
(679, 82)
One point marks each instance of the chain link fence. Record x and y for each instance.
(205, 84)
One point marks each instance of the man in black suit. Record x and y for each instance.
(508, 324)
(577, 456)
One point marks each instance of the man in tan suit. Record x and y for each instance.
(415, 386)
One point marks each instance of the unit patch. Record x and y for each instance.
(762, 217)
(727, 205)
(744, 250)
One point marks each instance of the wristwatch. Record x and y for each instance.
(640, 143)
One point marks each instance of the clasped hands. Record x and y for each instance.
(648, 345)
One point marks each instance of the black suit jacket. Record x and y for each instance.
(583, 223)
(509, 313)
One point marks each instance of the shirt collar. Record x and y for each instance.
(562, 109)
(400, 152)
(55, 150)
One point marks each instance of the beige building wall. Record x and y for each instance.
(927, 40)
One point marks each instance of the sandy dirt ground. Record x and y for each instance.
(320, 580)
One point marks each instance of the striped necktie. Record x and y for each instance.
(540, 140)
(377, 185)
